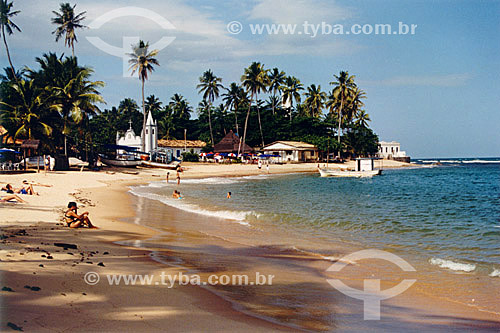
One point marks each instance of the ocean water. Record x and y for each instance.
(446, 215)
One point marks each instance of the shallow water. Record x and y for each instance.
(448, 213)
(444, 220)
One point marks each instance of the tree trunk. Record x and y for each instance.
(143, 143)
(236, 120)
(260, 125)
(210, 123)
(246, 124)
(340, 121)
(274, 103)
(8, 56)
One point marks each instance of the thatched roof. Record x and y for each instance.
(181, 143)
(230, 143)
(5, 139)
(295, 145)
(30, 144)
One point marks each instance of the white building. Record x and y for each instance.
(131, 140)
(177, 147)
(292, 151)
(390, 150)
(151, 142)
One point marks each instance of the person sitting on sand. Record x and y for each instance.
(77, 221)
(9, 198)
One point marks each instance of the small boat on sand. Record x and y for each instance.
(171, 166)
(127, 161)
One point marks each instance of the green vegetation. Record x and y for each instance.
(58, 103)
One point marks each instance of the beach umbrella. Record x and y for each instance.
(8, 150)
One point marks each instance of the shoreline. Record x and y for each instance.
(116, 231)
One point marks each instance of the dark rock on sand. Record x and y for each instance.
(14, 326)
(66, 245)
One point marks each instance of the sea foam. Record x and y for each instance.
(455, 266)
(495, 273)
(238, 216)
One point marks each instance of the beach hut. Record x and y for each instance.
(177, 147)
(292, 151)
(28, 146)
(230, 144)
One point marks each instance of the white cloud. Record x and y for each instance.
(449, 80)
(298, 11)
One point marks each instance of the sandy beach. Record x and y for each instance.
(44, 287)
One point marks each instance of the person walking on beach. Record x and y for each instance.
(259, 164)
(77, 221)
(179, 170)
(168, 174)
(46, 164)
(267, 167)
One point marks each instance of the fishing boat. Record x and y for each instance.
(170, 166)
(122, 160)
(364, 168)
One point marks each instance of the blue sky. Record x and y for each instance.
(436, 92)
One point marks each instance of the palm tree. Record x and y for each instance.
(8, 26)
(128, 106)
(153, 104)
(354, 103)
(290, 90)
(362, 119)
(315, 100)
(180, 106)
(78, 99)
(276, 79)
(234, 96)
(209, 86)
(67, 23)
(142, 61)
(344, 85)
(27, 112)
(254, 80)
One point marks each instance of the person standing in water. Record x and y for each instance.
(267, 167)
(259, 164)
(228, 196)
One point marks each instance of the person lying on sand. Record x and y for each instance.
(9, 198)
(25, 182)
(22, 190)
(77, 221)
